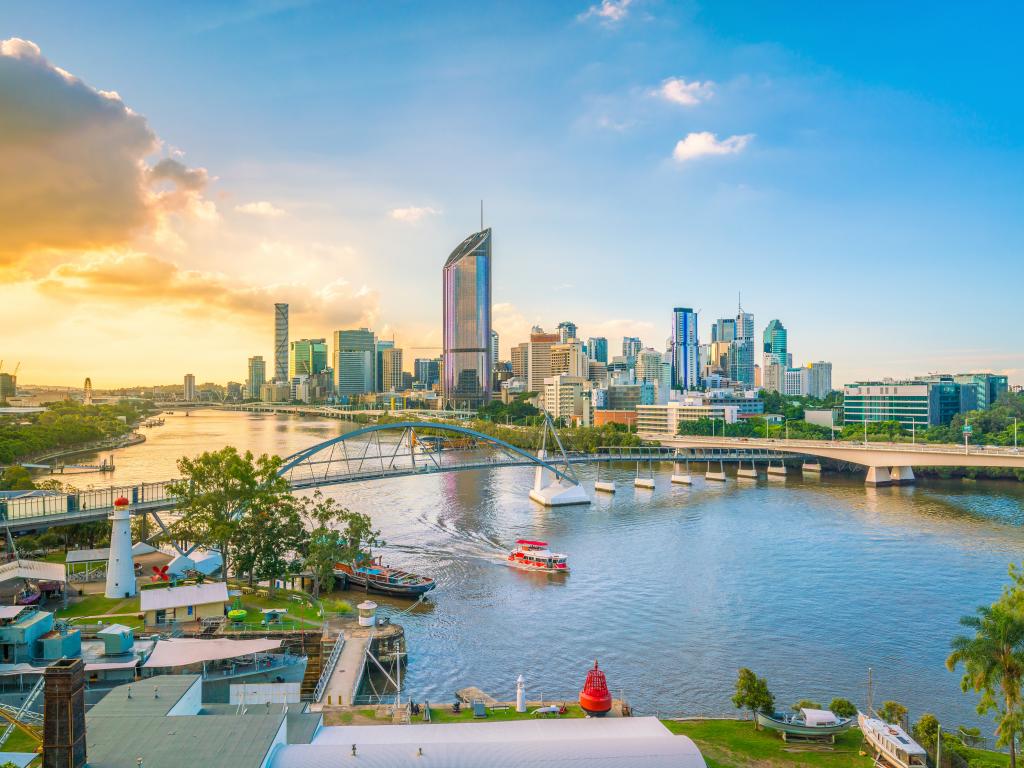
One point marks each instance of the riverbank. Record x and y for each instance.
(122, 441)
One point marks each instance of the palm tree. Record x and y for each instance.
(993, 662)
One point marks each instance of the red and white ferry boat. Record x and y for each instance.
(535, 556)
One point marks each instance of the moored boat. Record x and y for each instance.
(892, 744)
(535, 556)
(805, 724)
(371, 574)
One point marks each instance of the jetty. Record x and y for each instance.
(348, 660)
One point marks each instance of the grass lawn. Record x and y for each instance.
(735, 744)
(19, 741)
(98, 605)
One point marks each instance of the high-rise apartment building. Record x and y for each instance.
(538, 358)
(597, 349)
(569, 358)
(467, 363)
(379, 347)
(306, 357)
(189, 391)
(566, 331)
(520, 359)
(741, 360)
(685, 349)
(281, 342)
(631, 345)
(8, 385)
(819, 379)
(354, 362)
(391, 370)
(257, 376)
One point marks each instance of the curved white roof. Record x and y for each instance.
(182, 651)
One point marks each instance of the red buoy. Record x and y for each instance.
(595, 698)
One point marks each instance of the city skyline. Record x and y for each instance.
(759, 158)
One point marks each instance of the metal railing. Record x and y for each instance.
(20, 714)
(783, 444)
(328, 669)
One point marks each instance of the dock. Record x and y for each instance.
(344, 680)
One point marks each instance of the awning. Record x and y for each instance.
(183, 651)
(32, 570)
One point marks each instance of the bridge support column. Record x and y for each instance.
(554, 492)
(608, 486)
(778, 472)
(681, 476)
(878, 476)
(719, 475)
(902, 475)
(750, 474)
(811, 466)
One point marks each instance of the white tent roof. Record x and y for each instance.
(207, 562)
(99, 666)
(10, 611)
(818, 716)
(182, 651)
(87, 555)
(33, 570)
(633, 741)
(182, 597)
(142, 548)
(180, 564)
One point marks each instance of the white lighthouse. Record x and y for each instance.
(120, 564)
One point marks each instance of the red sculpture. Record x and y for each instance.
(160, 574)
(595, 698)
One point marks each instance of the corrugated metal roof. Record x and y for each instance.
(181, 597)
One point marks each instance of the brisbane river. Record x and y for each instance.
(808, 582)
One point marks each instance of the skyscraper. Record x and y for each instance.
(427, 371)
(566, 331)
(281, 342)
(685, 349)
(257, 376)
(306, 357)
(597, 348)
(354, 362)
(391, 369)
(631, 345)
(380, 346)
(466, 360)
(189, 390)
(741, 361)
(775, 345)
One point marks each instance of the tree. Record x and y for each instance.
(265, 537)
(806, 704)
(752, 693)
(215, 491)
(16, 479)
(926, 731)
(336, 535)
(842, 708)
(892, 712)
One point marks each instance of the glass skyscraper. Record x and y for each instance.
(307, 357)
(355, 360)
(280, 342)
(775, 344)
(466, 360)
(597, 349)
(685, 349)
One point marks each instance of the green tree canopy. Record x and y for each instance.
(752, 693)
(892, 712)
(335, 535)
(806, 704)
(843, 707)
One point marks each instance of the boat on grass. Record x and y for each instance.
(806, 724)
(535, 556)
(892, 745)
(374, 576)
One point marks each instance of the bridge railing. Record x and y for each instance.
(96, 498)
(783, 444)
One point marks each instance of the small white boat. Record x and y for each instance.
(535, 556)
(892, 744)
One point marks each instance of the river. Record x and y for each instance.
(808, 582)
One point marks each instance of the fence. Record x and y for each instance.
(69, 503)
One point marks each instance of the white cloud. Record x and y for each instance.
(678, 91)
(607, 11)
(706, 143)
(261, 208)
(412, 214)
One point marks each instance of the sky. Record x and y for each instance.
(168, 172)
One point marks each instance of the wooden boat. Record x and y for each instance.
(535, 556)
(892, 744)
(371, 574)
(806, 724)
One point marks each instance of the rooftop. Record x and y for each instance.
(181, 597)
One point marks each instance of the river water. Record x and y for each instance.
(808, 582)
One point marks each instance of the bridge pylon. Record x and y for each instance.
(549, 490)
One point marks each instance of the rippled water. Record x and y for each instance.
(807, 582)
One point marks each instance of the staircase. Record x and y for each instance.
(314, 668)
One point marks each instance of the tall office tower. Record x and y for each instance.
(724, 330)
(427, 371)
(190, 388)
(819, 379)
(354, 355)
(597, 349)
(775, 344)
(257, 376)
(391, 370)
(520, 359)
(685, 349)
(466, 359)
(495, 352)
(631, 345)
(379, 347)
(538, 358)
(741, 360)
(281, 342)
(306, 357)
(566, 331)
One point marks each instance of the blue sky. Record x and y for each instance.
(867, 186)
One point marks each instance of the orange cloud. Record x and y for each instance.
(73, 163)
